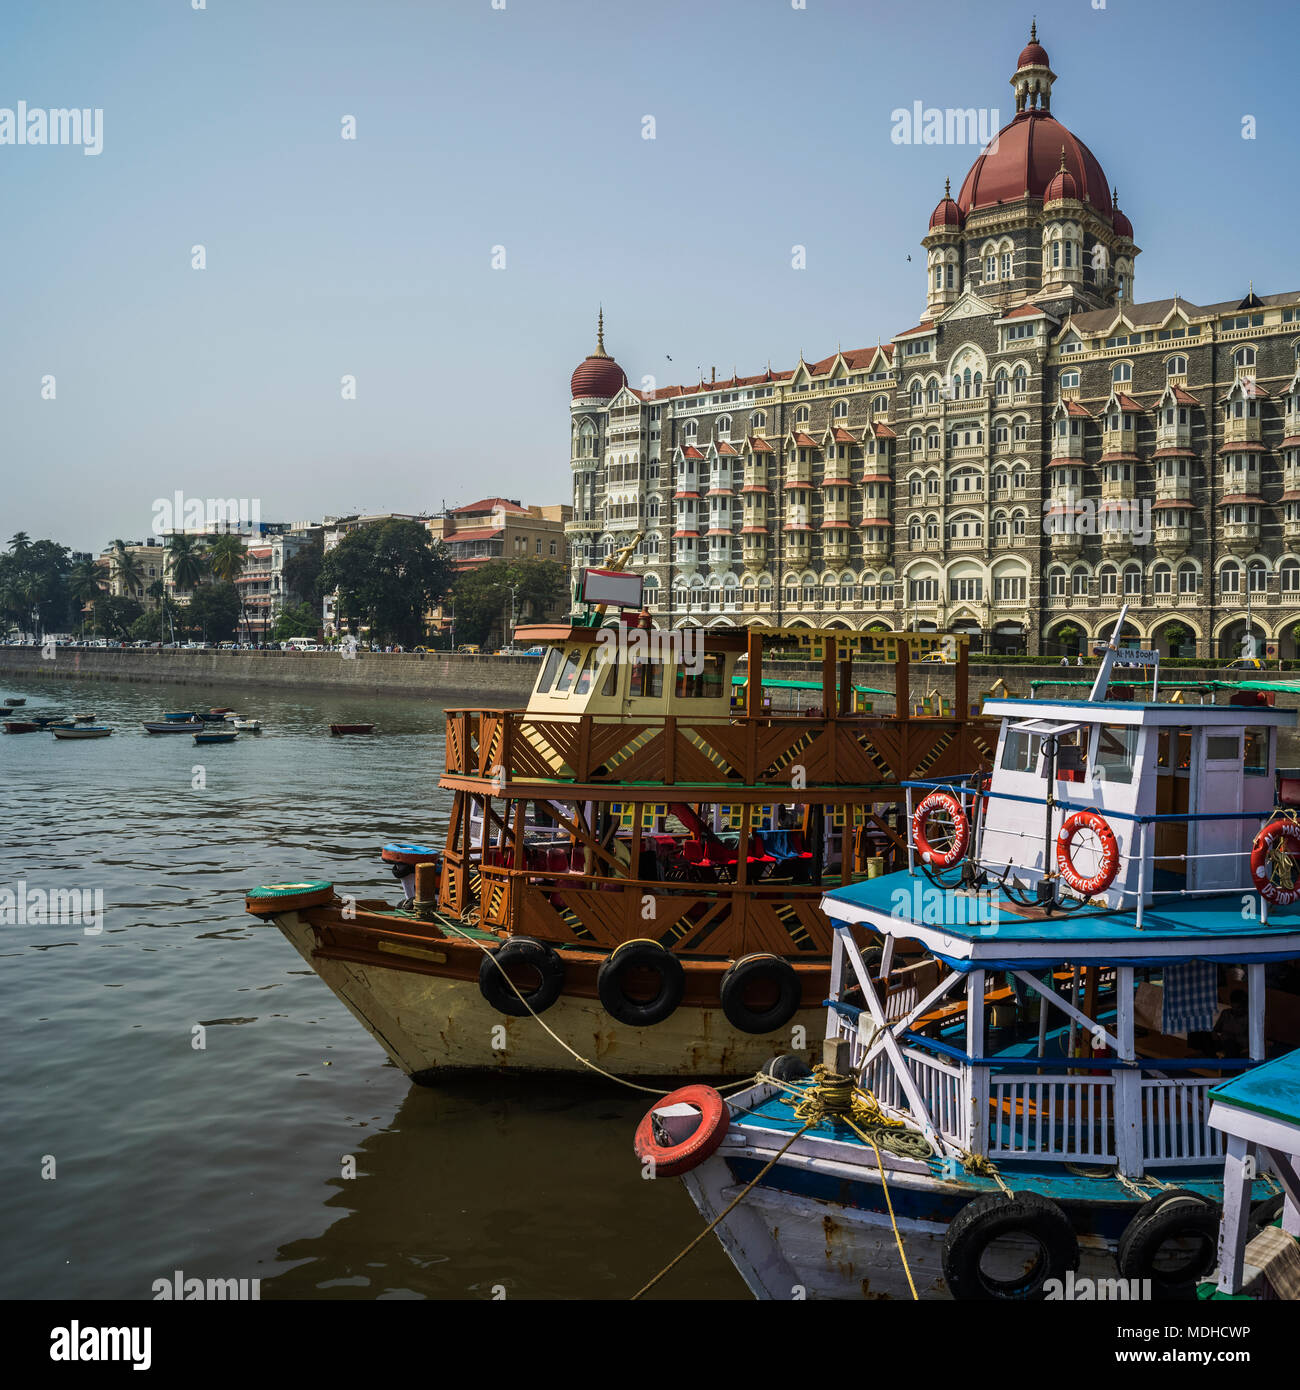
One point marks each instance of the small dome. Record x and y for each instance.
(598, 374)
(1033, 55)
(1062, 187)
(1123, 227)
(947, 213)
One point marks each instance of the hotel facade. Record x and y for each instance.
(1040, 449)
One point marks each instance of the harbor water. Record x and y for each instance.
(182, 1094)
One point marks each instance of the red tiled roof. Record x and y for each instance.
(1244, 448)
(842, 436)
(1184, 397)
(691, 496)
(479, 534)
(1128, 403)
(755, 487)
(1190, 506)
(686, 535)
(882, 431)
(791, 486)
(1174, 454)
(725, 448)
(835, 525)
(1076, 412)
(796, 526)
(805, 441)
(753, 530)
(1025, 311)
(491, 504)
(1119, 458)
(837, 482)
(760, 445)
(1291, 441)
(691, 452)
(1065, 463)
(877, 478)
(1237, 497)
(718, 492)
(925, 326)
(874, 521)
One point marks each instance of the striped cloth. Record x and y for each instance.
(1191, 997)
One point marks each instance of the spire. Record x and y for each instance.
(600, 334)
(947, 188)
(1033, 31)
(1062, 169)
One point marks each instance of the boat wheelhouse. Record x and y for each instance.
(1105, 937)
(640, 854)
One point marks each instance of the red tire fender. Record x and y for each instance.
(1288, 832)
(671, 1160)
(1105, 875)
(930, 805)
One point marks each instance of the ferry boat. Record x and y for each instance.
(1108, 947)
(631, 877)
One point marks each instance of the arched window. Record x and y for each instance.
(1161, 578)
(690, 429)
(758, 420)
(1257, 576)
(1108, 580)
(722, 429)
(932, 388)
(1189, 581)
(801, 415)
(1001, 382)
(1121, 371)
(1230, 578)
(841, 410)
(1244, 357)
(880, 405)
(1069, 381)
(1057, 580)
(1289, 573)
(1020, 382)
(1176, 366)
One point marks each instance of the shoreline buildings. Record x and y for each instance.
(1039, 449)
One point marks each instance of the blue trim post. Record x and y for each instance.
(977, 1075)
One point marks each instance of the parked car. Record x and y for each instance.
(535, 651)
(470, 649)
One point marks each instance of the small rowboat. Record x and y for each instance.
(248, 726)
(13, 701)
(84, 718)
(222, 709)
(81, 731)
(186, 716)
(174, 726)
(23, 726)
(215, 738)
(43, 721)
(338, 730)
(210, 718)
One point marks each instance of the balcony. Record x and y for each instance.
(1240, 535)
(1291, 423)
(966, 543)
(1065, 542)
(967, 451)
(1245, 430)
(1118, 489)
(1119, 441)
(875, 550)
(1117, 542)
(1173, 489)
(1291, 529)
(1173, 436)
(967, 497)
(1067, 446)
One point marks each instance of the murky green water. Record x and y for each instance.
(227, 1162)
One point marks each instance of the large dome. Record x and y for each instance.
(1025, 157)
(597, 375)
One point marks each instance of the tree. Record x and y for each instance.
(1067, 637)
(1175, 635)
(227, 559)
(117, 613)
(85, 585)
(302, 573)
(186, 562)
(296, 620)
(212, 613)
(483, 594)
(126, 569)
(387, 576)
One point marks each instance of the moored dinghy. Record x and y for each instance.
(14, 701)
(77, 731)
(215, 737)
(968, 1140)
(247, 726)
(21, 726)
(174, 726)
(83, 718)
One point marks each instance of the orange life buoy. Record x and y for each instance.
(931, 806)
(1109, 867)
(1277, 837)
(670, 1160)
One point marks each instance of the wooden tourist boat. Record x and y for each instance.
(638, 856)
(174, 726)
(339, 730)
(247, 726)
(21, 726)
(81, 731)
(1108, 940)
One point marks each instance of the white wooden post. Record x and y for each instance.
(1128, 1081)
(1255, 1009)
(911, 849)
(837, 979)
(1234, 1227)
(977, 1128)
(1142, 870)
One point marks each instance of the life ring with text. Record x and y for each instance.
(1106, 870)
(930, 807)
(671, 1156)
(1276, 844)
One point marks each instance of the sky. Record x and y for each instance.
(450, 259)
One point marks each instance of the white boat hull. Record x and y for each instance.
(429, 1026)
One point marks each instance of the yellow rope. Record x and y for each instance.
(983, 1166)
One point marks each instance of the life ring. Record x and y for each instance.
(410, 854)
(931, 805)
(645, 955)
(1109, 866)
(1174, 1215)
(672, 1159)
(742, 976)
(1282, 837)
(270, 898)
(494, 985)
(1036, 1219)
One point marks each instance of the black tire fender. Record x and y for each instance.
(521, 950)
(612, 976)
(1175, 1213)
(993, 1216)
(741, 975)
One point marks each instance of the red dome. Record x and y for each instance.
(1061, 187)
(1025, 157)
(1123, 227)
(597, 376)
(1033, 55)
(946, 213)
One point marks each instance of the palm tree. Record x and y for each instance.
(126, 569)
(85, 584)
(227, 560)
(20, 543)
(185, 561)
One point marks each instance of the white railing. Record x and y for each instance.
(941, 1084)
(1174, 1128)
(1063, 1118)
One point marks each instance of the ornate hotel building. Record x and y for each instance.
(1040, 449)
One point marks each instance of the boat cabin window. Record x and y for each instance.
(706, 683)
(1256, 757)
(1175, 743)
(1223, 748)
(647, 681)
(610, 688)
(549, 669)
(1020, 753)
(572, 660)
(1116, 752)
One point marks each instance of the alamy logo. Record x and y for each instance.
(945, 125)
(26, 125)
(21, 906)
(77, 1343)
(242, 515)
(1086, 1290)
(193, 1290)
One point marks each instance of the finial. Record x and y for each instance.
(1033, 31)
(947, 188)
(1252, 287)
(1062, 170)
(600, 332)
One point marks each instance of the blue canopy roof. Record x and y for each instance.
(1271, 1089)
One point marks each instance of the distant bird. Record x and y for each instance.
(669, 358)
(909, 258)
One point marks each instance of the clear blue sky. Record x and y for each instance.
(522, 127)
